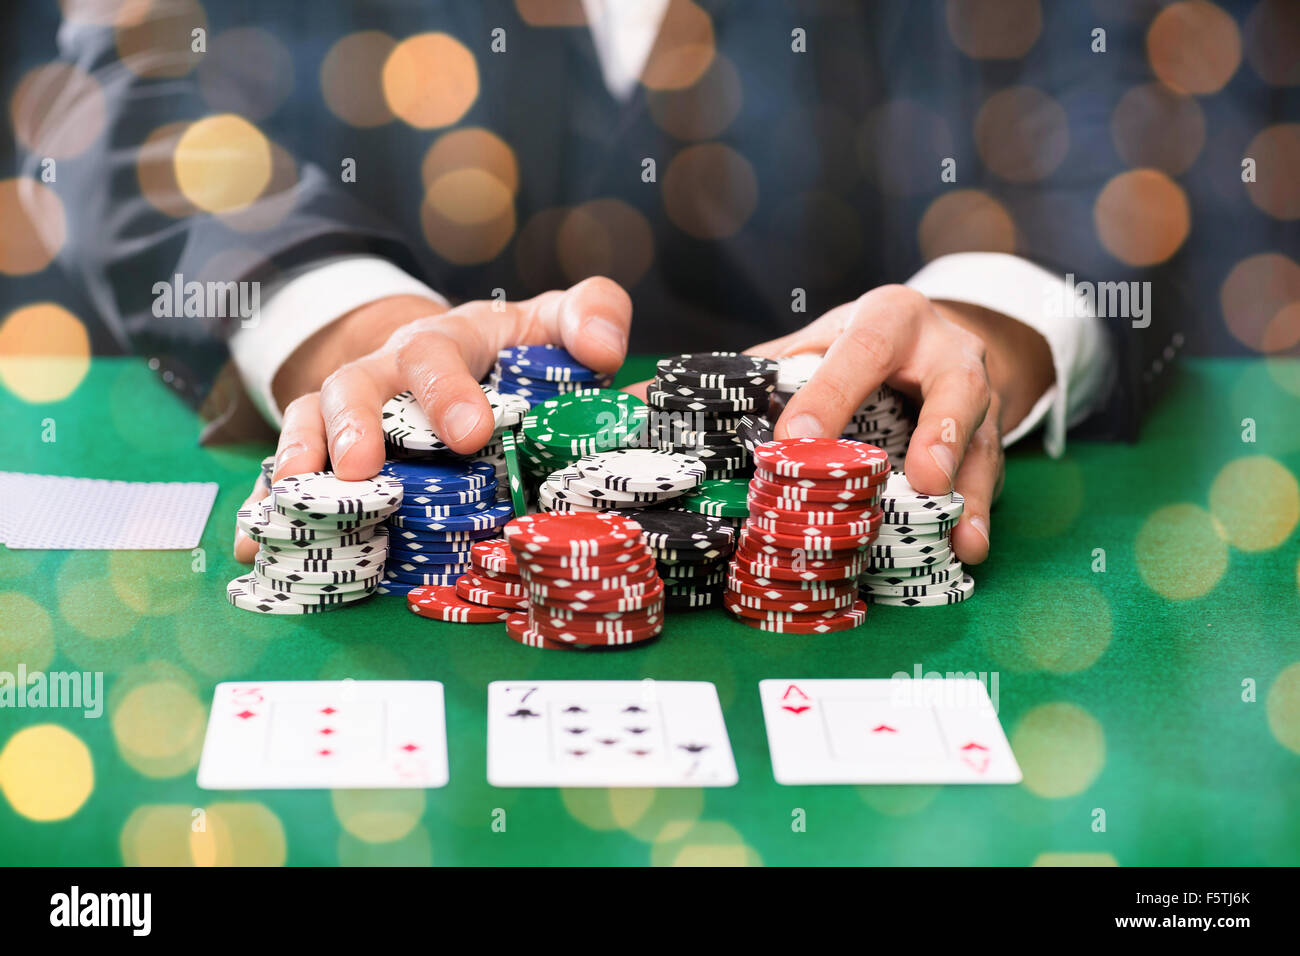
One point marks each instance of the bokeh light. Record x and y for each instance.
(1075, 859)
(46, 772)
(1194, 46)
(468, 216)
(705, 843)
(1272, 37)
(1283, 707)
(1157, 127)
(246, 70)
(57, 110)
(276, 200)
(1276, 151)
(155, 38)
(159, 728)
(1061, 749)
(1142, 217)
(648, 815)
(1256, 503)
(222, 163)
(994, 29)
(44, 352)
(1062, 627)
(605, 237)
(88, 602)
(430, 80)
(471, 148)
(351, 78)
(155, 171)
(683, 48)
(535, 248)
(965, 220)
(1022, 134)
(705, 108)
(1180, 553)
(158, 835)
(27, 637)
(551, 13)
(1260, 298)
(710, 191)
(35, 227)
(378, 816)
(414, 849)
(240, 834)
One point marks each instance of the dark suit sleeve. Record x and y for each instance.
(130, 227)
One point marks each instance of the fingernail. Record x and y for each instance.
(980, 525)
(943, 457)
(461, 419)
(343, 442)
(804, 426)
(605, 333)
(287, 452)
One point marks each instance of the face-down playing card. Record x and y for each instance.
(890, 731)
(607, 734)
(325, 735)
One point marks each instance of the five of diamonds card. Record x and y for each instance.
(885, 732)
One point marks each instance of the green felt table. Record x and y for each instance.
(1153, 701)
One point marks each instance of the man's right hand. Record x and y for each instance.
(334, 386)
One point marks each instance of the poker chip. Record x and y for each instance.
(877, 562)
(567, 635)
(515, 473)
(719, 497)
(683, 530)
(407, 427)
(658, 398)
(790, 511)
(640, 470)
(240, 593)
(433, 477)
(314, 593)
(410, 579)
(586, 422)
(402, 556)
(757, 609)
(494, 555)
(842, 529)
(718, 369)
(821, 458)
(323, 492)
(443, 604)
(746, 588)
(365, 568)
(487, 519)
(844, 620)
(413, 510)
(577, 534)
(913, 577)
(953, 593)
(811, 492)
(505, 588)
(754, 430)
(549, 363)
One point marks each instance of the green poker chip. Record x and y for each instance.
(720, 497)
(585, 423)
(514, 473)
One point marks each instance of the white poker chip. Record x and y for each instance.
(260, 523)
(641, 470)
(309, 592)
(376, 543)
(909, 506)
(882, 562)
(290, 574)
(323, 492)
(239, 592)
(794, 371)
(953, 594)
(406, 426)
(928, 577)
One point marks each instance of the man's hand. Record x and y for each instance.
(975, 373)
(334, 386)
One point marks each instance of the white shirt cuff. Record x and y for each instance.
(300, 305)
(1042, 300)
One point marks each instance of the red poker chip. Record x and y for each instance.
(632, 551)
(565, 635)
(630, 583)
(765, 580)
(782, 488)
(866, 484)
(518, 630)
(821, 458)
(844, 620)
(775, 572)
(442, 603)
(599, 573)
(819, 545)
(504, 577)
(493, 555)
(744, 587)
(810, 512)
(571, 533)
(599, 621)
(848, 529)
(474, 595)
(796, 611)
(793, 556)
(575, 600)
(513, 588)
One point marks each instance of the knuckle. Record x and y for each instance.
(871, 341)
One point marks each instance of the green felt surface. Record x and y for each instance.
(1118, 701)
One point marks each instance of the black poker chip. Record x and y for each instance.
(675, 532)
(752, 392)
(754, 430)
(693, 600)
(720, 407)
(718, 369)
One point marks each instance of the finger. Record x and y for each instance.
(638, 388)
(978, 480)
(350, 401)
(955, 399)
(592, 320)
(246, 547)
(878, 336)
(431, 362)
(772, 348)
(302, 447)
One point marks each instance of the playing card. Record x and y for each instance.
(607, 734)
(325, 735)
(884, 731)
(87, 514)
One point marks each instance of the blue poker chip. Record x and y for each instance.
(436, 540)
(506, 379)
(547, 362)
(396, 588)
(486, 494)
(421, 546)
(433, 512)
(440, 477)
(417, 579)
(433, 559)
(487, 519)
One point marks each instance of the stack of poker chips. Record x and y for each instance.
(691, 552)
(447, 506)
(409, 436)
(813, 511)
(885, 419)
(540, 372)
(491, 591)
(911, 562)
(697, 401)
(590, 581)
(322, 543)
(559, 431)
(726, 499)
(619, 480)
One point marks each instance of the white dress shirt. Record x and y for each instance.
(623, 32)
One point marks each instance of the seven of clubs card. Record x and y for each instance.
(889, 731)
(607, 734)
(325, 734)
